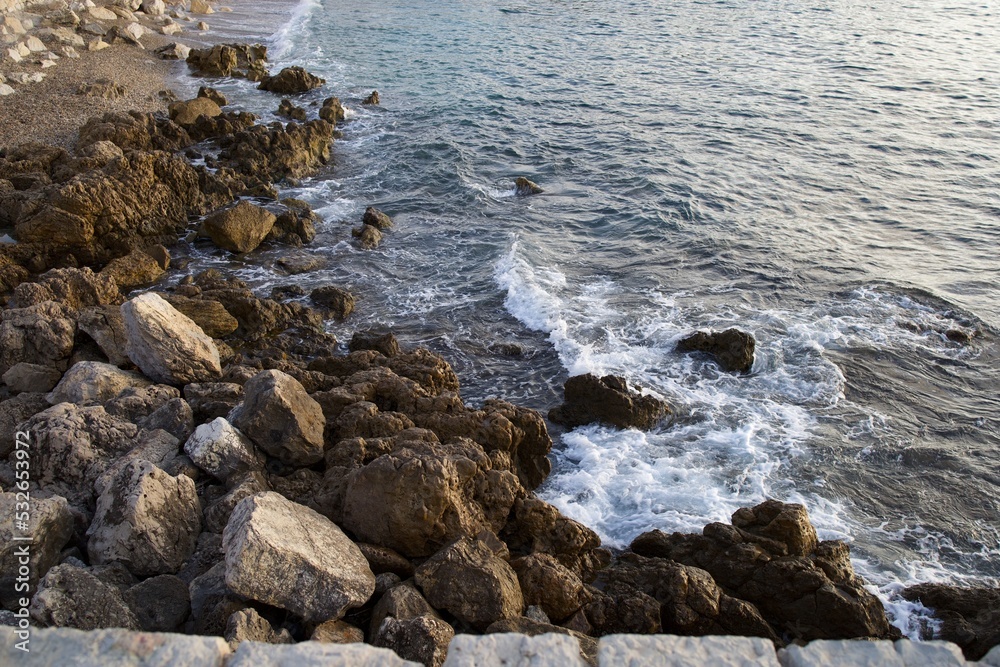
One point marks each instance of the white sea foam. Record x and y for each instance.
(283, 40)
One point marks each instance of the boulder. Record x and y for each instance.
(241, 228)
(23, 377)
(166, 345)
(89, 382)
(49, 526)
(372, 99)
(212, 603)
(288, 556)
(248, 625)
(337, 632)
(607, 400)
(174, 51)
(175, 417)
(291, 81)
(209, 314)
(338, 303)
(160, 604)
(732, 349)
(969, 617)
(106, 327)
(547, 583)
(154, 7)
(332, 111)
(281, 418)
(384, 343)
(222, 451)
(15, 410)
(625, 611)
(368, 237)
(383, 559)
(41, 334)
(136, 269)
(272, 152)
(289, 110)
(71, 597)
(422, 639)
(472, 582)
(454, 485)
(146, 520)
(538, 527)
(240, 60)
(210, 400)
(214, 95)
(567, 647)
(401, 602)
(241, 486)
(524, 187)
(75, 288)
(376, 218)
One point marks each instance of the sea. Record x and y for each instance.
(824, 174)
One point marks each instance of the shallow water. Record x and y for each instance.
(825, 177)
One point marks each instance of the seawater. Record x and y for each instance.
(823, 175)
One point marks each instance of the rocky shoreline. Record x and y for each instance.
(201, 459)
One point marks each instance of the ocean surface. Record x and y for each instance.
(824, 175)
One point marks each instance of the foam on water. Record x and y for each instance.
(283, 41)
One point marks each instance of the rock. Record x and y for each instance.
(214, 95)
(71, 597)
(539, 527)
(970, 617)
(270, 542)
(423, 639)
(372, 99)
(212, 399)
(41, 334)
(376, 218)
(291, 81)
(495, 650)
(161, 603)
(50, 525)
(75, 288)
(160, 255)
(136, 404)
(201, 7)
(15, 410)
(241, 228)
(384, 559)
(281, 418)
(243, 60)
(31, 378)
(385, 344)
(137, 269)
(89, 382)
(301, 264)
(186, 113)
(166, 345)
(401, 602)
(632, 649)
(523, 187)
(175, 417)
(783, 522)
(337, 632)
(145, 519)
(135, 31)
(113, 648)
(607, 400)
(106, 327)
(222, 451)
(154, 7)
(174, 51)
(212, 603)
(289, 110)
(5, 90)
(332, 111)
(454, 484)
(547, 583)
(255, 654)
(171, 29)
(626, 611)
(241, 486)
(368, 237)
(275, 153)
(210, 315)
(248, 625)
(339, 303)
(471, 582)
(102, 14)
(732, 349)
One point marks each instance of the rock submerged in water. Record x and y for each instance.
(970, 617)
(732, 349)
(607, 400)
(240, 228)
(372, 99)
(291, 81)
(524, 187)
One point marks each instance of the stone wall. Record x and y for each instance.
(121, 648)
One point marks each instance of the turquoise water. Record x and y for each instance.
(824, 175)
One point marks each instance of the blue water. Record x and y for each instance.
(824, 175)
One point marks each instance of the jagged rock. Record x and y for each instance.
(75, 288)
(241, 228)
(166, 345)
(523, 187)
(106, 327)
(15, 410)
(104, 89)
(212, 399)
(41, 334)
(732, 349)
(94, 382)
(385, 343)
(289, 110)
(384, 559)
(471, 582)
(296, 226)
(422, 639)
(136, 269)
(291, 81)
(134, 131)
(454, 484)
(281, 418)
(372, 99)
(135, 404)
(368, 237)
(212, 603)
(539, 527)
(174, 51)
(161, 603)
(49, 525)
(71, 597)
(221, 450)
(339, 303)
(274, 153)
(175, 417)
(154, 7)
(214, 95)
(332, 111)
(626, 611)
(241, 486)
(186, 113)
(970, 617)
(376, 218)
(242, 60)
(31, 378)
(547, 583)
(209, 314)
(156, 447)
(247, 625)
(402, 602)
(523, 628)
(145, 519)
(812, 595)
(608, 400)
(337, 632)
(270, 541)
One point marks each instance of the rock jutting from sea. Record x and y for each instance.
(205, 462)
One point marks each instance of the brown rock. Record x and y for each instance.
(970, 617)
(339, 303)
(547, 583)
(241, 228)
(732, 349)
(210, 315)
(422, 639)
(608, 400)
(368, 237)
(186, 113)
(291, 81)
(337, 632)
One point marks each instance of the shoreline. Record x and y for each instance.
(378, 406)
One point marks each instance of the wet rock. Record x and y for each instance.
(137, 269)
(339, 303)
(291, 81)
(31, 378)
(454, 484)
(186, 113)
(547, 583)
(275, 152)
(401, 602)
(166, 345)
(538, 527)
(71, 597)
(89, 382)
(281, 418)
(732, 349)
(296, 226)
(41, 334)
(368, 237)
(337, 632)
(607, 400)
(289, 110)
(145, 519)
(222, 451)
(241, 228)
(161, 603)
(271, 541)
(523, 187)
(242, 60)
(471, 582)
(372, 99)
(970, 617)
(214, 95)
(210, 400)
(384, 343)
(786, 523)
(376, 218)
(332, 111)
(50, 525)
(247, 625)
(422, 639)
